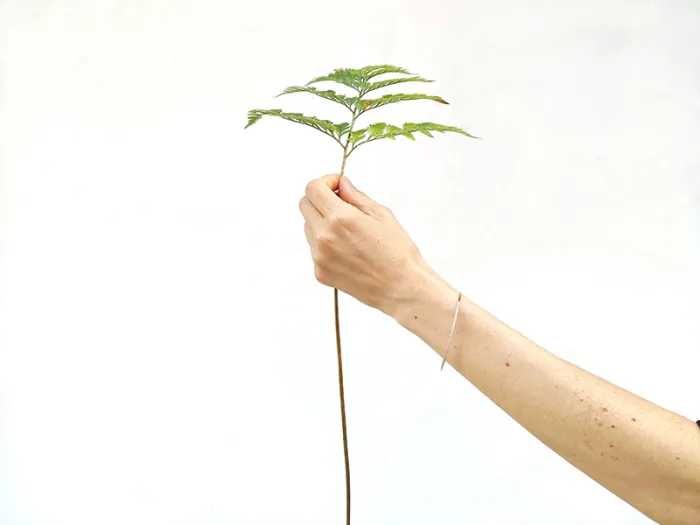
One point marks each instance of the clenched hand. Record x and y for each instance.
(358, 246)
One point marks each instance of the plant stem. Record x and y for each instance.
(346, 153)
(341, 385)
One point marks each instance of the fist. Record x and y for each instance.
(358, 246)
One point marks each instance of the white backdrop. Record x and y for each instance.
(166, 356)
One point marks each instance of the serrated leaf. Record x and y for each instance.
(377, 129)
(391, 131)
(427, 127)
(415, 127)
(370, 72)
(253, 117)
(368, 87)
(342, 129)
(357, 135)
(400, 97)
(324, 126)
(347, 77)
(380, 130)
(348, 102)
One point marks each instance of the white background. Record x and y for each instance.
(166, 356)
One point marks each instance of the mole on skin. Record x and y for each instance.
(507, 364)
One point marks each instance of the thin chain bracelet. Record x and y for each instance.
(452, 331)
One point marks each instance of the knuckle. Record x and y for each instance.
(386, 212)
(323, 240)
(321, 275)
(334, 221)
(317, 257)
(339, 221)
(310, 187)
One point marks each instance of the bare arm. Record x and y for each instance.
(646, 455)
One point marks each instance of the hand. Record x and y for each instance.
(359, 247)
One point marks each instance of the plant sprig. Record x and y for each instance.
(362, 82)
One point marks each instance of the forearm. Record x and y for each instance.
(647, 455)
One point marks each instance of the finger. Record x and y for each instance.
(321, 193)
(311, 215)
(350, 194)
(310, 236)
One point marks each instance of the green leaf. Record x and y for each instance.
(348, 102)
(391, 99)
(357, 135)
(370, 72)
(427, 127)
(359, 79)
(377, 129)
(416, 127)
(342, 129)
(253, 117)
(359, 104)
(372, 86)
(380, 130)
(391, 131)
(324, 126)
(348, 77)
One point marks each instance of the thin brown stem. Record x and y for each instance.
(341, 384)
(346, 151)
(345, 158)
(341, 387)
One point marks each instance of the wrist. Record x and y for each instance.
(424, 292)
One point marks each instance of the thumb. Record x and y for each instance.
(350, 194)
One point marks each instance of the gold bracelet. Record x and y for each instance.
(452, 331)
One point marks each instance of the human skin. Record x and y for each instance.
(645, 454)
